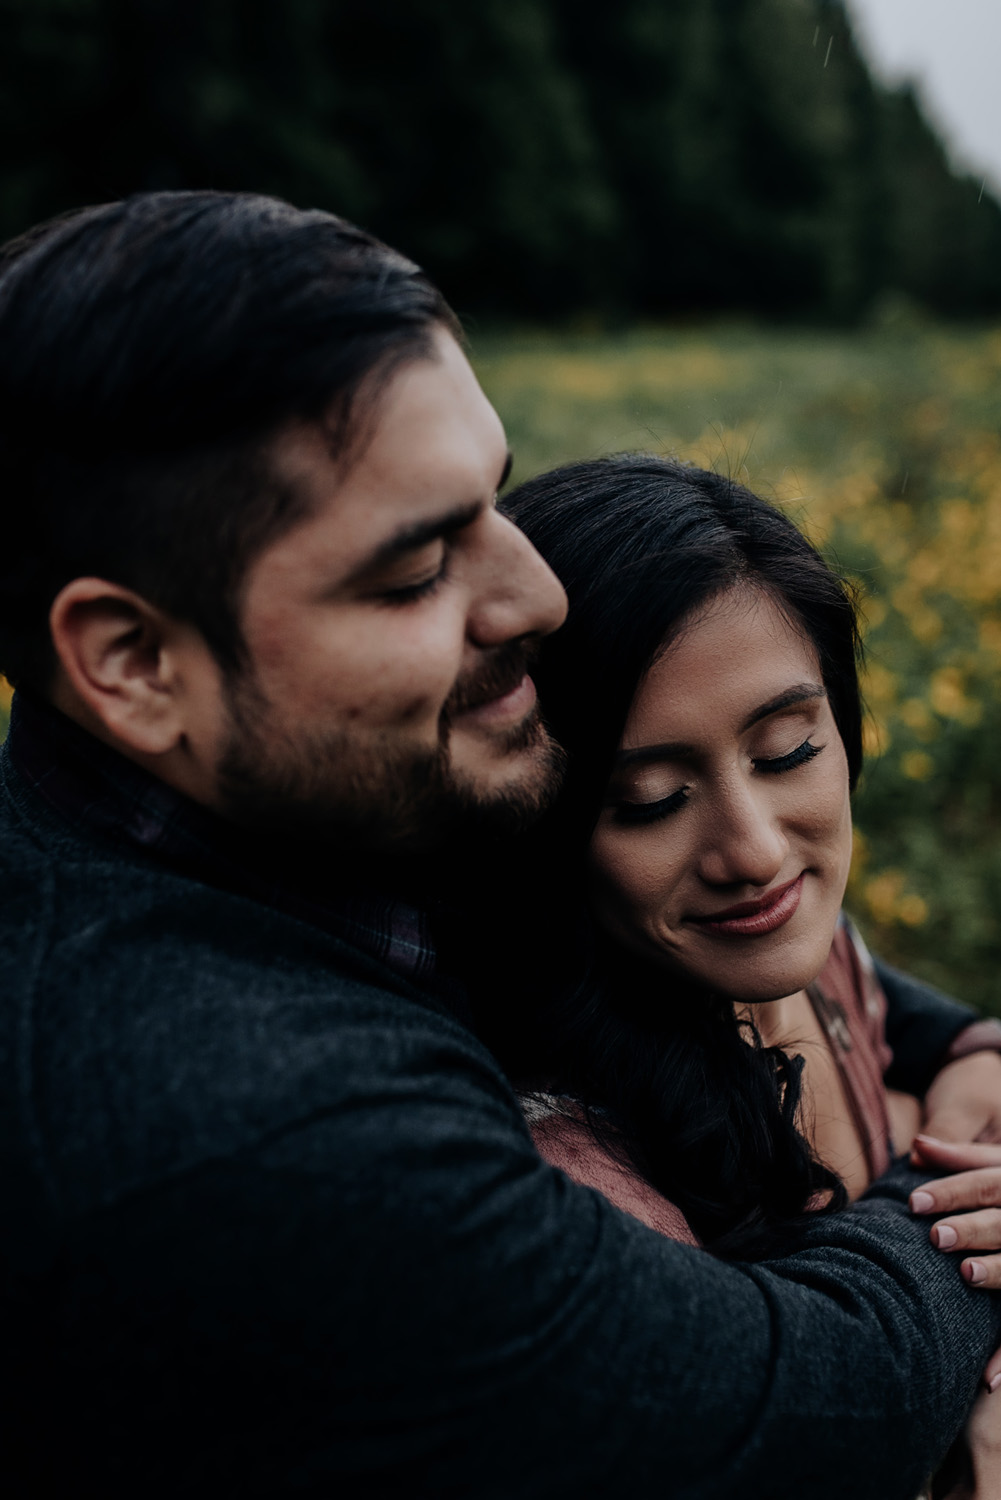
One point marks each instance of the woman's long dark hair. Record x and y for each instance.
(666, 1075)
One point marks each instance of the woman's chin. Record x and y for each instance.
(756, 970)
(758, 981)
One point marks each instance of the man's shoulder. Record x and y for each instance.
(169, 1023)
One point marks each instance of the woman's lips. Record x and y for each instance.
(755, 918)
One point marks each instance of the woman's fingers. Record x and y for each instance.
(978, 1228)
(992, 1371)
(973, 1231)
(980, 1188)
(983, 1271)
(929, 1152)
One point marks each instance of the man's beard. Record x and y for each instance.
(331, 788)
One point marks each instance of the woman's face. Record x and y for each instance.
(723, 846)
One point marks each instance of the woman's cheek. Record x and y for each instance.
(838, 833)
(628, 881)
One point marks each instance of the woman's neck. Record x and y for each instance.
(776, 1021)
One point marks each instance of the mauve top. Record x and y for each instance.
(850, 1005)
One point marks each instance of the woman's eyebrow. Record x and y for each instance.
(647, 754)
(801, 693)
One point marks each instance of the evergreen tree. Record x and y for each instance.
(538, 156)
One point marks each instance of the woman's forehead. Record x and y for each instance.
(731, 654)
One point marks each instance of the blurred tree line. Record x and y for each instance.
(539, 157)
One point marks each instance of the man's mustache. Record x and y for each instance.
(497, 674)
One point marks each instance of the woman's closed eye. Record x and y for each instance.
(632, 811)
(774, 765)
(633, 807)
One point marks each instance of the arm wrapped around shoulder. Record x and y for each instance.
(393, 1294)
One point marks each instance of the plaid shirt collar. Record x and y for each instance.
(86, 782)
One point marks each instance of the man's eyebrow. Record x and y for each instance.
(803, 692)
(420, 534)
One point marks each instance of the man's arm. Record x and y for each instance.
(921, 1024)
(396, 1296)
(944, 1052)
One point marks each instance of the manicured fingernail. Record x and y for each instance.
(945, 1236)
(922, 1202)
(974, 1272)
(994, 1382)
(933, 1139)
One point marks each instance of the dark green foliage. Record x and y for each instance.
(538, 156)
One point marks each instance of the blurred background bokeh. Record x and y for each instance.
(718, 228)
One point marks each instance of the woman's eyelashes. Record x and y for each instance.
(632, 810)
(774, 765)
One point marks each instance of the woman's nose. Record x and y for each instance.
(746, 844)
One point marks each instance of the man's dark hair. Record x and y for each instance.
(149, 351)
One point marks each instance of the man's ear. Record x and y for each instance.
(121, 660)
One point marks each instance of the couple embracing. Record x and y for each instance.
(413, 1086)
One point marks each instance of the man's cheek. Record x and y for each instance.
(377, 672)
(387, 698)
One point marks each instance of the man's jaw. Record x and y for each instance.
(492, 730)
(498, 771)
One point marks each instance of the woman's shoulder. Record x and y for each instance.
(849, 977)
(564, 1139)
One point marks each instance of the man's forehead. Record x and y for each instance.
(430, 437)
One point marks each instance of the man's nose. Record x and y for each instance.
(515, 592)
(745, 843)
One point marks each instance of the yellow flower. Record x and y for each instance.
(912, 910)
(889, 902)
(875, 738)
(917, 765)
(882, 893)
(925, 569)
(874, 611)
(949, 699)
(879, 685)
(917, 716)
(926, 625)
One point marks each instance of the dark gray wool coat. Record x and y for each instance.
(273, 1226)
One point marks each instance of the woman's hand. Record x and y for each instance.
(962, 1119)
(970, 1200)
(978, 1454)
(962, 1115)
(964, 1100)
